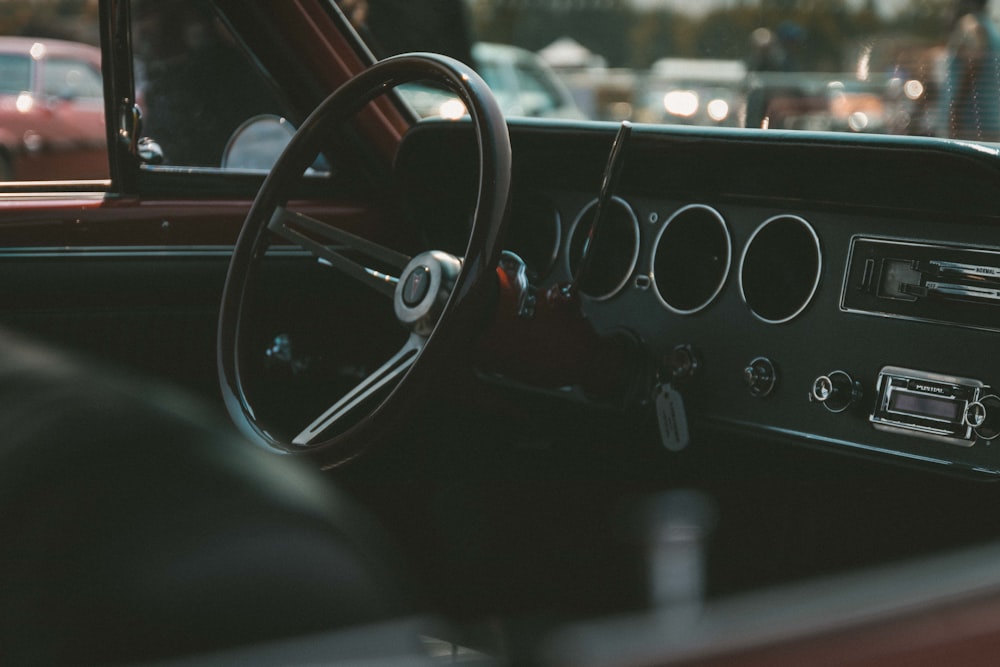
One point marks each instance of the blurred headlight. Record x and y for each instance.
(718, 110)
(682, 103)
(24, 102)
(858, 121)
(913, 89)
(452, 109)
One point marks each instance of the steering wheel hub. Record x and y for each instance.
(416, 286)
(423, 292)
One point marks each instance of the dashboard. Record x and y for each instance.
(839, 292)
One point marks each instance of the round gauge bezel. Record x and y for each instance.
(634, 228)
(816, 278)
(717, 289)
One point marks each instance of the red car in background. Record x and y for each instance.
(51, 111)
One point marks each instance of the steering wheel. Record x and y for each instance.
(434, 294)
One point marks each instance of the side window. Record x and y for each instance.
(196, 87)
(51, 94)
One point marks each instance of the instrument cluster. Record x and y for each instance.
(801, 301)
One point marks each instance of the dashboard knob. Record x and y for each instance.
(683, 363)
(836, 391)
(760, 377)
(984, 417)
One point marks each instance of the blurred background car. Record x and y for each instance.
(51, 110)
(687, 91)
(521, 81)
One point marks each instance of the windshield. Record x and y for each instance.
(916, 67)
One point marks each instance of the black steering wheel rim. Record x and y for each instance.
(475, 278)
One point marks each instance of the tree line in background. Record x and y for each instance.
(74, 20)
(827, 33)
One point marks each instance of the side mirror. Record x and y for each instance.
(257, 143)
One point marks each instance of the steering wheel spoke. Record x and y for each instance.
(329, 243)
(386, 373)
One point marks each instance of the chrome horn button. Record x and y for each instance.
(424, 289)
(416, 286)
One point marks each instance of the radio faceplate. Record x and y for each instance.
(929, 405)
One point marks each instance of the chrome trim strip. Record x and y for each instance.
(11, 191)
(135, 252)
(827, 441)
(988, 273)
(970, 293)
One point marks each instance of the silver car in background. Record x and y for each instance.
(521, 81)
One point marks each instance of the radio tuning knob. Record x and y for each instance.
(984, 417)
(836, 391)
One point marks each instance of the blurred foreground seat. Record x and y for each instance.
(133, 526)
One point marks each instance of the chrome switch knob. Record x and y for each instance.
(760, 377)
(836, 391)
(984, 417)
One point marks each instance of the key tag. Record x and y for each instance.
(672, 418)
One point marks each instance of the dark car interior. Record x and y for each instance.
(710, 383)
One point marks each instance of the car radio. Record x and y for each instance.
(946, 408)
(910, 280)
